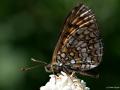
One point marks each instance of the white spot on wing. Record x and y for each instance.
(93, 66)
(72, 61)
(63, 55)
(83, 50)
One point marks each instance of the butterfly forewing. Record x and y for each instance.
(79, 46)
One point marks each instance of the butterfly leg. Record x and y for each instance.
(73, 73)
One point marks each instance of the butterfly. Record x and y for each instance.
(79, 47)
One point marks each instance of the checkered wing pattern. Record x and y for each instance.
(79, 46)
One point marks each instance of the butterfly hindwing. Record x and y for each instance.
(79, 46)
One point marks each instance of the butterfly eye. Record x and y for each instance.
(48, 68)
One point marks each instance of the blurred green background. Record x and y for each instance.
(30, 28)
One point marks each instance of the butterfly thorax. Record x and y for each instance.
(55, 68)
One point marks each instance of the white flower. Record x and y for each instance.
(64, 82)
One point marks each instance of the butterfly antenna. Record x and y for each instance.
(37, 61)
(29, 68)
(34, 60)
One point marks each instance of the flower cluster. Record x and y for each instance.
(64, 82)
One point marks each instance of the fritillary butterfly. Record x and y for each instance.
(79, 47)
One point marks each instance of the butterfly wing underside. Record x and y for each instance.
(79, 46)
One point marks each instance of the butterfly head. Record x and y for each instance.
(53, 68)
